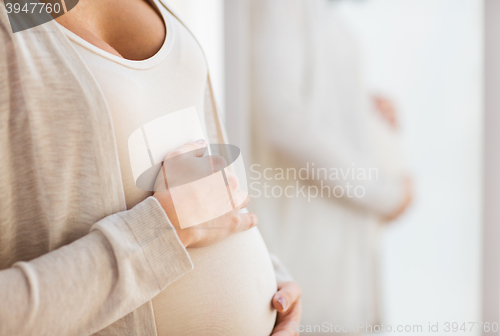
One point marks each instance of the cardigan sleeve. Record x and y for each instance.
(125, 261)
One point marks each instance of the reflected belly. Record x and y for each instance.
(228, 292)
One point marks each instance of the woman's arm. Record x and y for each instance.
(125, 260)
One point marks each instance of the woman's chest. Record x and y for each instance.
(148, 101)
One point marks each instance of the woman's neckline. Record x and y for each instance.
(134, 64)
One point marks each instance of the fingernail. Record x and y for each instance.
(201, 141)
(282, 302)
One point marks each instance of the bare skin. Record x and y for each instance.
(287, 302)
(131, 29)
(387, 111)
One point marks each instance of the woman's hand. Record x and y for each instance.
(192, 163)
(386, 110)
(287, 302)
(406, 202)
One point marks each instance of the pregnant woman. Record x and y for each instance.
(83, 250)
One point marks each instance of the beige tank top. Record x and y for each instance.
(229, 291)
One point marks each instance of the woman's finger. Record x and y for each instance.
(240, 199)
(192, 149)
(232, 181)
(287, 323)
(288, 293)
(218, 163)
(246, 221)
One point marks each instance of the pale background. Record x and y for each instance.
(428, 56)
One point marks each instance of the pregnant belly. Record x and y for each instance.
(228, 292)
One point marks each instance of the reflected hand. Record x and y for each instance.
(287, 302)
(407, 199)
(386, 110)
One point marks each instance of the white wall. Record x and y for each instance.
(491, 234)
(427, 55)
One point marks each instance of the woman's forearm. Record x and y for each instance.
(125, 260)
